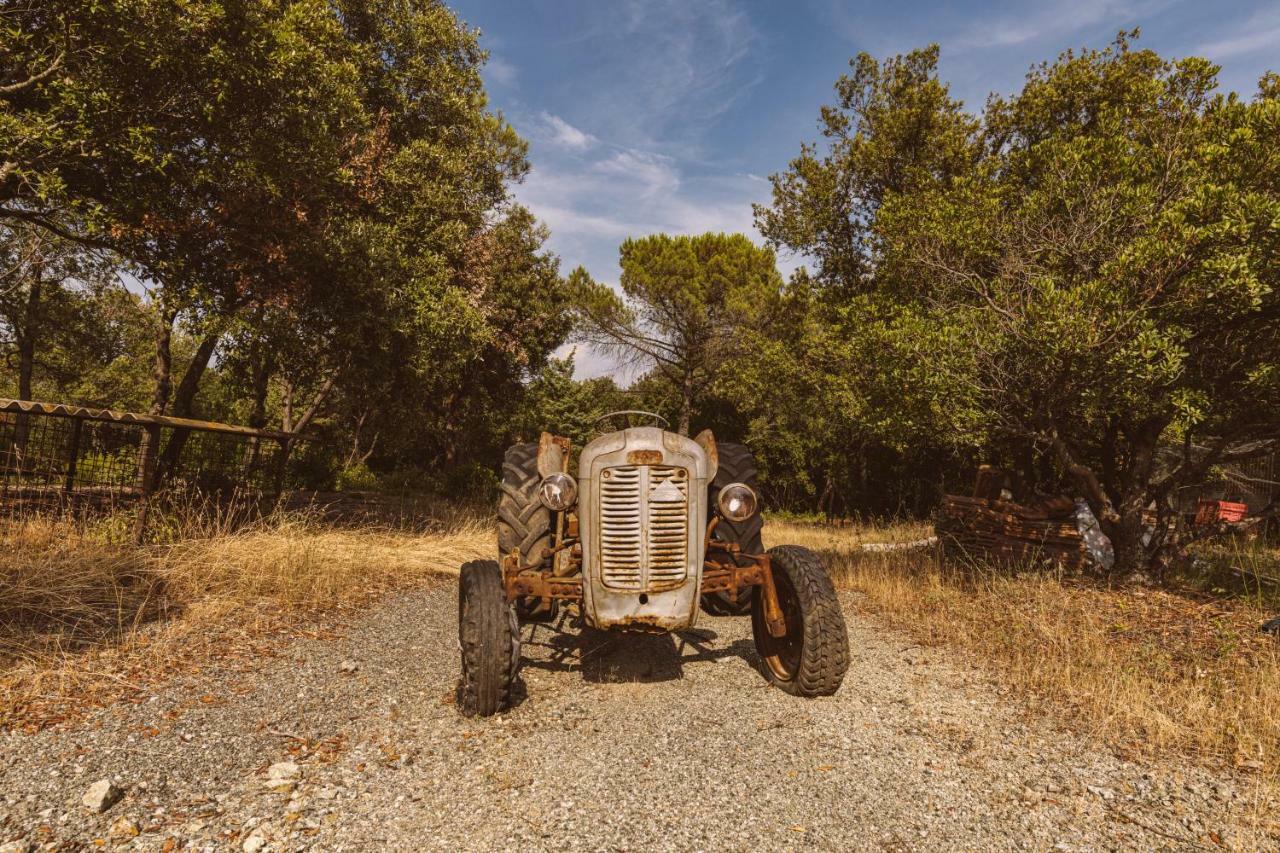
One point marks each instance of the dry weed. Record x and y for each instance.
(84, 619)
(1147, 670)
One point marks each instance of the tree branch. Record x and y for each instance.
(34, 78)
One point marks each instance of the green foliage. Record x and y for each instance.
(555, 402)
(1081, 285)
(687, 303)
(315, 195)
(357, 478)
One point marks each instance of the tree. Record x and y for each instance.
(202, 141)
(1093, 300)
(556, 402)
(894, 128)
(686, 304)
(823, 398)
(49, 289)
(317, 191)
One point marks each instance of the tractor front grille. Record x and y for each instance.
(644, 527)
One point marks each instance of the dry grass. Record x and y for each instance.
(84, 619)
(846, 535)
(1146, 670)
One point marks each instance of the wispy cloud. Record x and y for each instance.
(501, 71)
(1260, 32)
(664, 71)
(642, 173)
(1053, 21)
(560, 132)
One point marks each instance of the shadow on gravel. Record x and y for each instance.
(610, 657)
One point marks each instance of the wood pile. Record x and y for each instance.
(995, 529)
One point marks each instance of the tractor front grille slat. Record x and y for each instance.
(644, 527)
(668, 528)
(620, 528)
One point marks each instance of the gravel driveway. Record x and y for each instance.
(623, 742)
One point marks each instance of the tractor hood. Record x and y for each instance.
(642, 508)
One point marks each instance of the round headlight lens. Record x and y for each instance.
(737, 502)
(558, 492)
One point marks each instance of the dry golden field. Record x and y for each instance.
(84, 620)
(1146, 669)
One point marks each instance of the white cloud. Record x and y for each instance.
(665, 70)
(1260, 32)
(641, 172)
(1054, 20)
(560, 132)
(501, 71)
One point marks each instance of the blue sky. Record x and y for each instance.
(668, 115)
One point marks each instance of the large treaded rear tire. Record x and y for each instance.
(737, 465)
(489, 638)
(813, 656)
(523, 522)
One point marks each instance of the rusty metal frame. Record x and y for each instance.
(721, 572)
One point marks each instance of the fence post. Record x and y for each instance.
(147, 453)
(73, 453)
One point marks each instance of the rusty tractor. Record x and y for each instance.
(648, 527)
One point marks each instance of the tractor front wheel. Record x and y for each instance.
(489, 638)
(811, 658)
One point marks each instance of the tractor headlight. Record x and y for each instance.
(737, 502)
(558, 492)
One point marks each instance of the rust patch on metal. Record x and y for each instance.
(707, 441)
(543, 585)
(553, 454)
(645, 457)
(769, 596)
(647, 624)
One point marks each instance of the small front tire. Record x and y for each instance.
(813, 656)
(489, 638)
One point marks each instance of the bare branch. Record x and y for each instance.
(34, 78)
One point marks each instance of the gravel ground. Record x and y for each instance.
(623, 742)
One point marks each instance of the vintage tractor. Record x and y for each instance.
(649, 526)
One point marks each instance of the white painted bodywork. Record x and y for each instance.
(653, 603)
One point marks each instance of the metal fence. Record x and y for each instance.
(54, 455)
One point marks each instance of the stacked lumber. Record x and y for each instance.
(1000, 530)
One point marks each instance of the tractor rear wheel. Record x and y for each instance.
(524, 524)
(737, 465)
(811, 658)
(489, 638)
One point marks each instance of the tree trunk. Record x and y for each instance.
(162, 370)
(27, 338)
(308, 415)
(149, 445)
(262, 366)
(185, 396)
(184, 404)
(1121, 509)
(686, 402)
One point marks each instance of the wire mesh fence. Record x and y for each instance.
(55, 456)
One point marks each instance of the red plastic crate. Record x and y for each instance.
(1211, 511)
